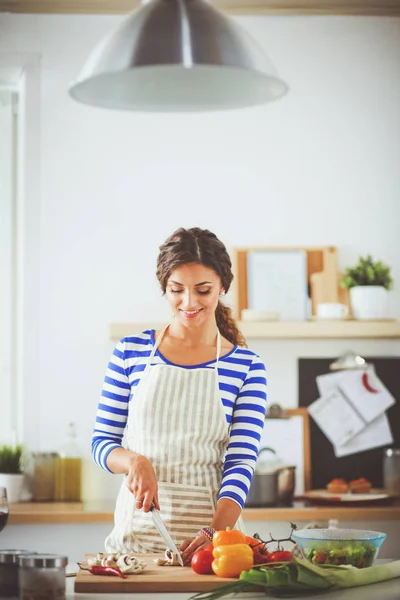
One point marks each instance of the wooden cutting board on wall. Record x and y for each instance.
(153, 579)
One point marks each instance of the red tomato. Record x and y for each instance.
(281, 556)
(201, 562)
(320, 557)
(260, 552)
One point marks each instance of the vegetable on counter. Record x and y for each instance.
(127, 563)
(231, 553)
(201, 562)
(300, 577)
(231, 559)
(227, 536)
(100, 570)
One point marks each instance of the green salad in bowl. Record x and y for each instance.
(356, 547)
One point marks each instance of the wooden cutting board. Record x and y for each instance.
(153, 579)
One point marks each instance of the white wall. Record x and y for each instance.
(318, 167)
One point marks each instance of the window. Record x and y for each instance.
(8, 170)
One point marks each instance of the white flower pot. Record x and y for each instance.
(369, 302)
(13, 484)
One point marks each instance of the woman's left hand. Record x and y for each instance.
(190, 546)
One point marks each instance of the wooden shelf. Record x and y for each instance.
(288, 329)
(252, 7)
(25, 513)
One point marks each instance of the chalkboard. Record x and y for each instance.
(324, 464)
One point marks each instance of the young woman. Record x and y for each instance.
(191, 401)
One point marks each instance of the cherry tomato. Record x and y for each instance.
(320, 557)
(260, 552)
(281, 556)
(201, 562)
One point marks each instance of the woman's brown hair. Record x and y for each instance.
(201, 246)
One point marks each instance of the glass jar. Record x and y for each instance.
(391, 470)
(69, 469)
(42, 577)
(9, 572)
(43, 476)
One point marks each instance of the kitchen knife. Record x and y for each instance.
(162, 530)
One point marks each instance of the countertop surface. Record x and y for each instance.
(103, 512)
(388, 590)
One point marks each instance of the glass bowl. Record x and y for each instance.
(357, 547)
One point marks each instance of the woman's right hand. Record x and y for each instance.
(142, 483)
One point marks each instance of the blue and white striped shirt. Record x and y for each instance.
(243, 387)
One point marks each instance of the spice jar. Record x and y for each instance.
(42, 577)
(44, 475)
(391, 470)
(9, 572)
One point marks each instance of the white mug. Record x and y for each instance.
(332, 310)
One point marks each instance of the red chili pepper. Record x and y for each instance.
(100, 570)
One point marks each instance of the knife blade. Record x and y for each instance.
(162, 530)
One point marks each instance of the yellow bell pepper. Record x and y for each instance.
(231, 559)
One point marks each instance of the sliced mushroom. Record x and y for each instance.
(130, 564)
(170, 559)
(95, 560)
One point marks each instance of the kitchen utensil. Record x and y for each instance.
(162, 530)
(357, 547)
(332, 310)
(273, 483)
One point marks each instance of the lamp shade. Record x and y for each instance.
(177, 56)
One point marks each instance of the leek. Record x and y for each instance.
(303, 577)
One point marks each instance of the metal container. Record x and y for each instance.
(9, 572)
(273, 484)
(42, 577)
(391, 470)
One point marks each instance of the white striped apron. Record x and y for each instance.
(177, 420)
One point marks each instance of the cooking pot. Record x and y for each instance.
(273, 483)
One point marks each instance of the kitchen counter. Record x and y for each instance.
(78, 512)
(388, 590)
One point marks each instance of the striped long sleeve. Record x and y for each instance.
(112, 410)
(244, 442)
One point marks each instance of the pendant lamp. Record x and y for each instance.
(177, 56)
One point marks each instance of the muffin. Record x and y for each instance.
(360, 486)
(337, 486)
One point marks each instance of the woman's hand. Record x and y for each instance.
(190, 546)
(141, 481)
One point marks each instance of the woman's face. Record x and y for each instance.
(192, 292)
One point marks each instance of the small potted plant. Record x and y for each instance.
(368, 283)
(11, 471)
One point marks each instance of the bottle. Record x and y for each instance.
(44, 475)
(68, 470)
(391, 470)
(333, 523)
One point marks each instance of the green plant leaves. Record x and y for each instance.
(367, 272)
(11, 459)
